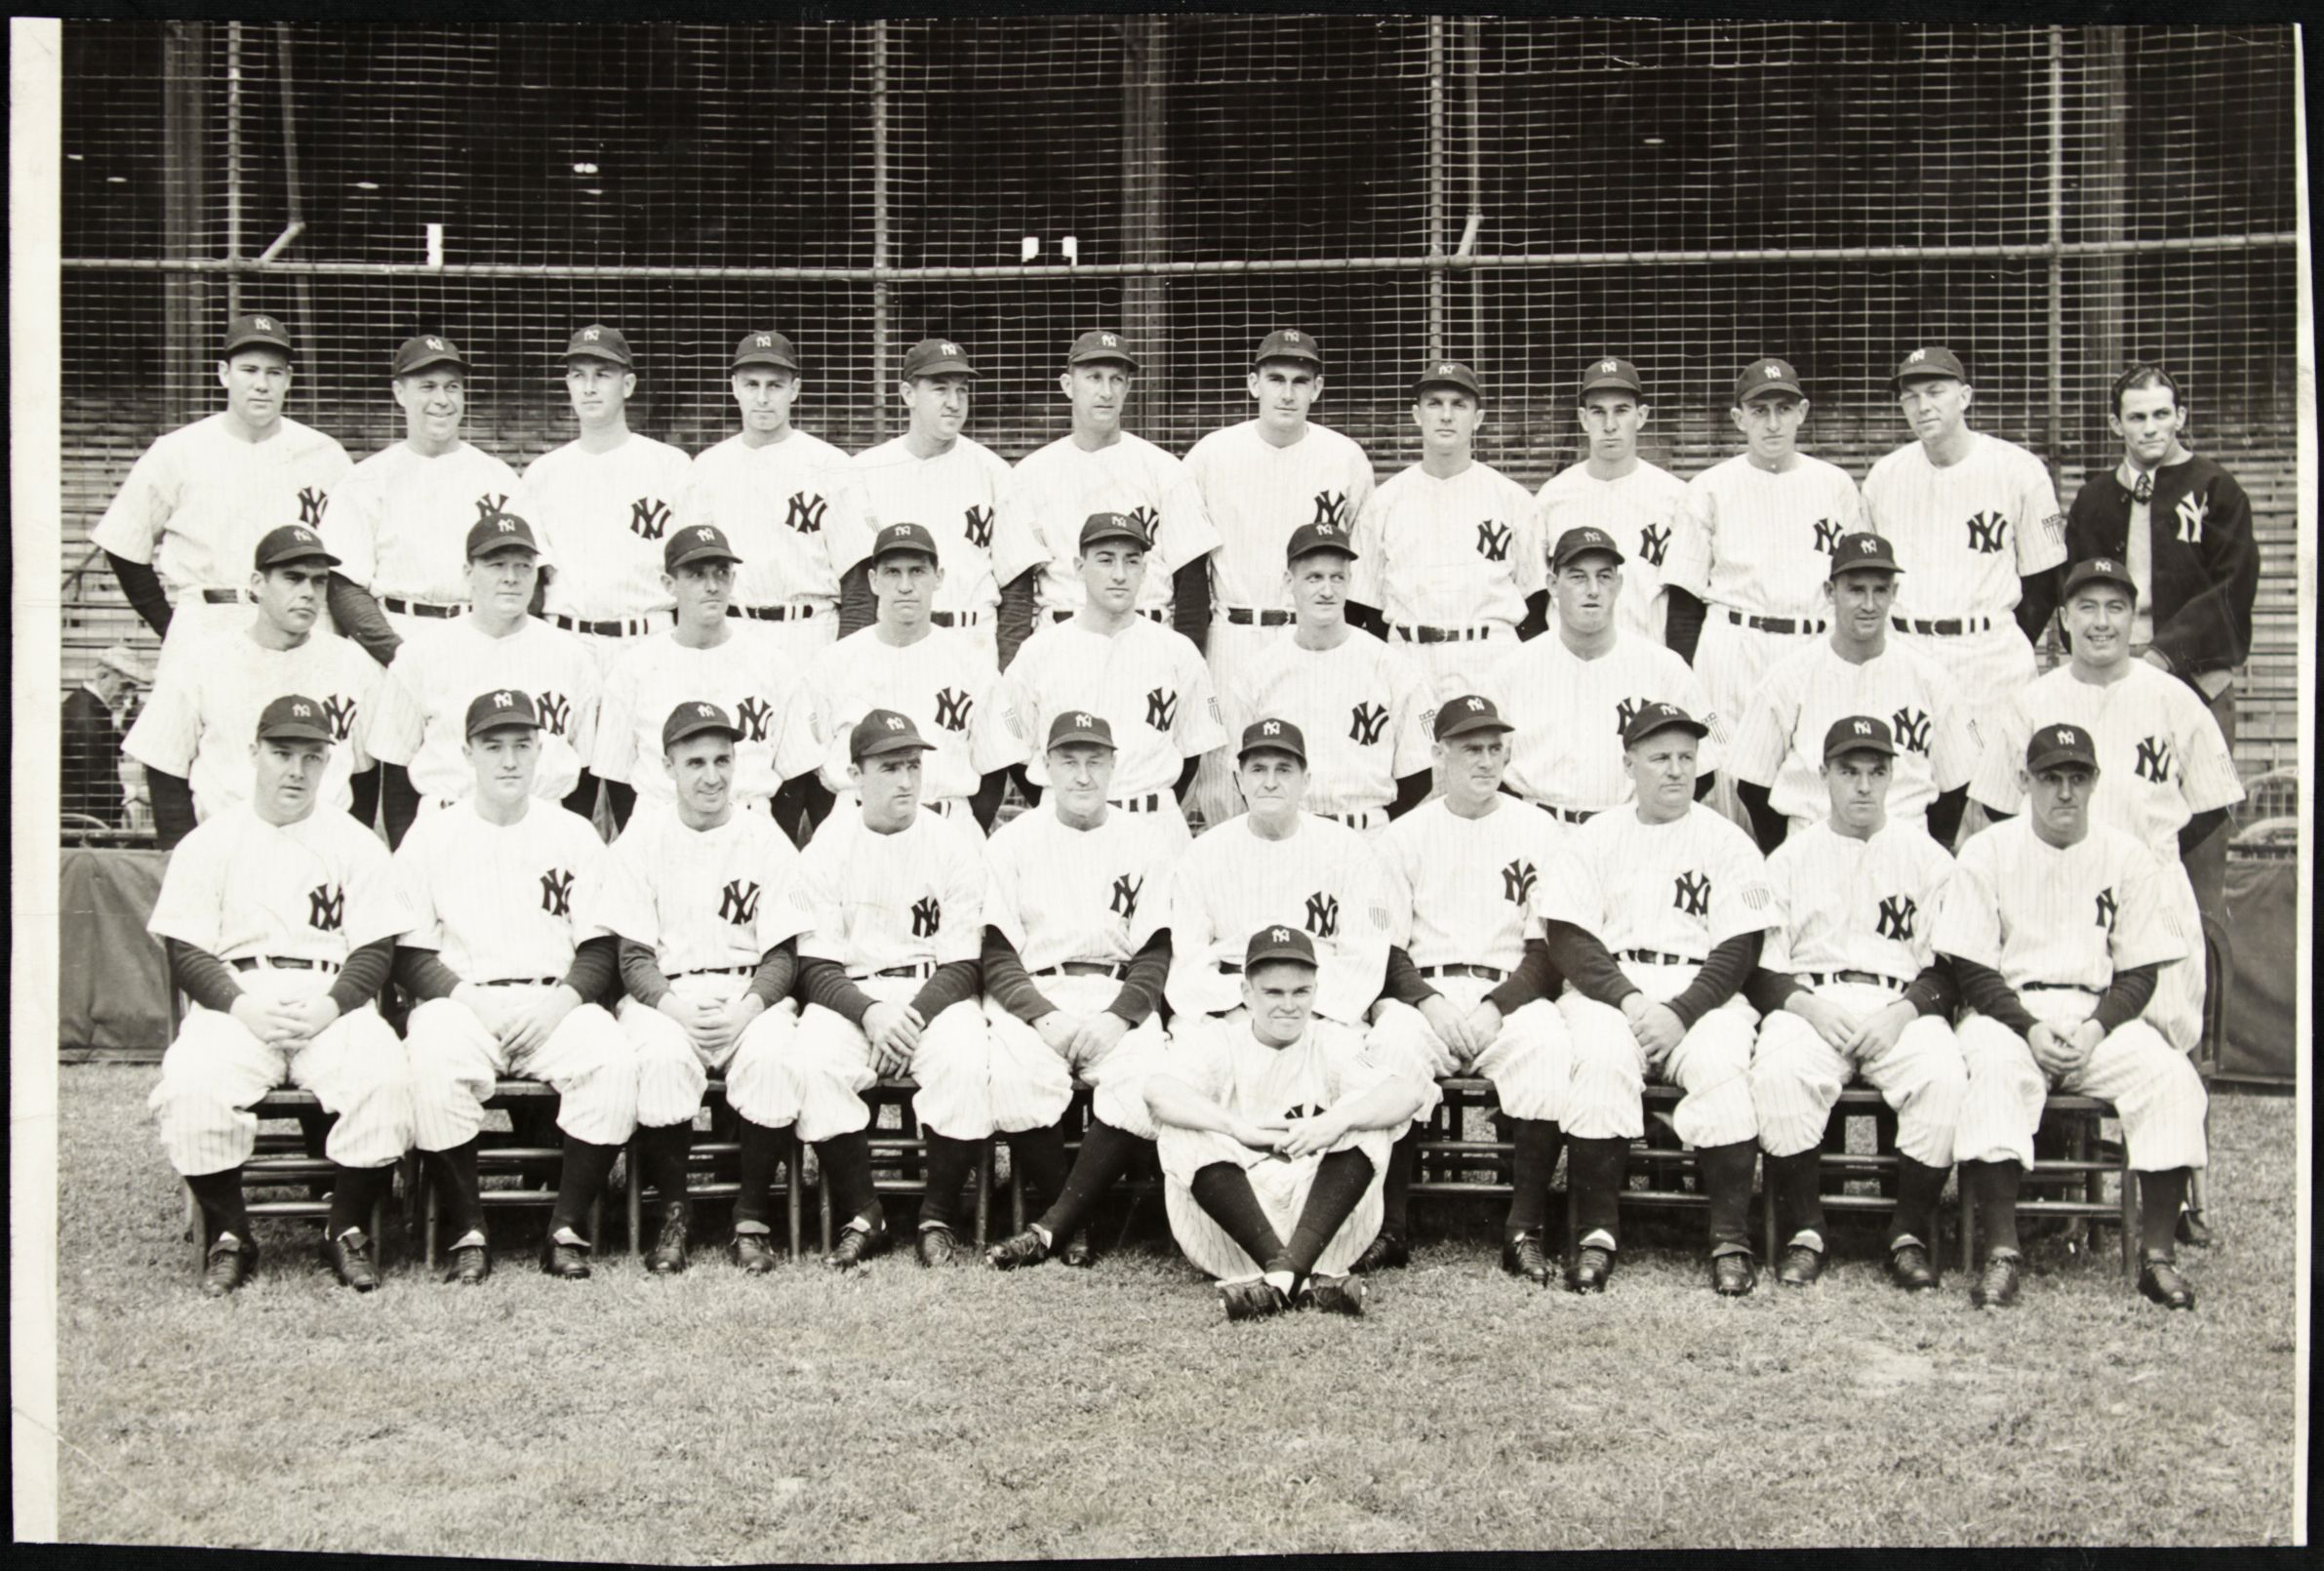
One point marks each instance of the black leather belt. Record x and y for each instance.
(1655, 957)
(224, 597)
(919, 968)
(617, 627)
(1571, 815)
(521, 982)
(1942, 626)
(1443, 636)
(1361, 819)
(774, 613)
(417, 608)
(280, 962)
(1085, 968)
(1233, 968)
(1872, 978)
(2057, 987)
(721, 971)
(1487, 972)
(1774, 623)
(1150, 802)
(1153, 614)
(955, 618)
(1245, 617)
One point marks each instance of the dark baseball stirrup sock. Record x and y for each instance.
(1341, 1180)
(846, 1163)
(949, 1163)
(662, 1160)
(461, 1193)
(1537, 1140)
(219, 1195)
(1038, 1156)
(761, 1152)
(579, 1183)
(1107, 1154)
(1918, 1188)
(1727, 1181)
(1395, 1190)
(352, 1190)
(1225, 1194)
(1994, 1187)
(1798, 1195)
(2159, 1194)
(1595, 1171)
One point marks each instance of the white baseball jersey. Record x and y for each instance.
(445, 664)
(944, 682)
(1466, 891)
(1249, 1079)
(1463, 552)
(779, 506)
(197, 502)
(1967, 533)
(747, 675)
(500, 901)
(1680, 888)
(318, 889)
(1779, 742)
(1364, 706)
(205, 710)
(601, 518)
(2074, 918)
(872, 901)
(1847, 905)
(1640, 510)
(1760, 541)
(961, 498)
(1257, 493)
(706, 899)
(1148, 682)
(398, 522)
(1054, 488)
(1098, 895)
(1322, 878)
(2161, 757)
(1570, 712)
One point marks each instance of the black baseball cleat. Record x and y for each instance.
(1909, 1268)
(1800, 1266)
(349, 1256)
(857, 1246)
(1590, 1270)
(754, 1252)
(2160, 1282)
(2193, 1231)
(1334, 1295)
(568, 1258)
(1018, 1249)
(1385, 1249)
(469, 1264)
(1522, 1256)
(1997, 1286)
(667, 1257)
(1080, 1254)
(228, 1264)
(1253, 1300)
(1733, 1274)
(939, 1244)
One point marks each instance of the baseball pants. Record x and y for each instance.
(672, 1072)
(1458, 668)
(216, 1071)
(1041, 1079)
(1282, 1188)
(456, 1060)
(2153, 1088)
(1530, 1062)
(2176, 1010)
(1797, 1076)
(1230, 648)
(829, 1064)
(1712, 1064)
(1990, 667)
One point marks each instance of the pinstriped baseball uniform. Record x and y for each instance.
(961, 498)
(438, 674)
(1147, 682)
(316, 891)
(601, 518)
(1365, 709)
(1570, 712)
(1055, 488)
(1871, 906)
(748, 677)
(1322, 878)
(2068, 919)
(398, 523)
(780, 508)
(1459, 553)
(1640, 510)
(942, 681)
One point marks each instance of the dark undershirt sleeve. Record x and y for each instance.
(641, 974)
(1190, 600)
(954, 982)
(1405, 983)
(1008, 981)
(1017, 609)
(1583, 960)
(202, 976)
(363, 976)
(1718, 979)
(1141, 988)
(2199, 828)
(358, 615)
(1983, 991)
(1766, 990)
(1369, 618)
(1682, 624)
(2128, 997)
(141, 587)
(1536, 977)
(1768, 826)
(1934, 992)
(1945, 815)
(423, 975)
(1186, 781)
(1537, 616)
(172, 799)
(858, 605)
(595, 964)
(826, 982)
(777, 968)
(1411, 791)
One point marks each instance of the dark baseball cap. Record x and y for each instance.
(267, 332)
(1580, 540)
(506, 708)
(1079, 725)
(290, 542)
(1099, 526)
(696, 542)
(1278, 944)
(1279, 734)
(2099, 569)
(1858, 732)
(499, 531)
(1936, 360)
(936, 357)
(597, 341)
(1100, 343)
(1863, 550)
(1767, 376)
(1448, 374)
(1471, 711)
(896, 538)
(1612, 371)
(1289, 344)
(1656, 717)
(426, 349)
(2054, 744)
(1318, 536)
(296, 717)
(694, 717)
(768, 348)
(884, 730)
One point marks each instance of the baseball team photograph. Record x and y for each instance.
(1142, 785)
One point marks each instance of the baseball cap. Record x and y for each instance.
(1079, 725)
(1278, 944)
(896, 538)
(296, 716)
(1858, 733)
(1612, 371)
(1448, 374)
(1864, 550)
(424, 351)
(290, 542)
(1767, 376)
(2053, 745)
(121, 658)
(1580, 540)
(505, 708)
(1289, 344)
(259, 329)
(697, 543)
(1471, 711)
(884, 730)
(694, 717)
(597, 341)
(1099, 526)
(1279, 734)
(1318, 536)
(2099, 569)
(1656, 717)
(1935, 360)
(768, 348)
(936, 357)
(1100, 343)
(499, 531)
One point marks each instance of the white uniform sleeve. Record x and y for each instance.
(2041, 530)
(168, 728)
(799, 742)
(1763, 736)
(2005, 731)
(1198, 1057)
(2207, 776)
(1529, 559)
(2145, 929)
(399, 711)
(1395, 885)
(1349, 1069)
(1016, 549)
(376, 907)
(350, 529)
(1740, 899)
(962, 936)
(194, 884)
(1775, 952)
(593, 861)
(1969, 925)
(1367, 575)
(996, 730)
(412, 870)
(1352, 976)
(133, 524)
(1195, 986)
(1412, 699)
(1199, 726)
(368, 678)
(1711, 754)
(1569, 891)
(1693, 536)
(778, 919)
(613, 753)
(1186, 534)
(1953, 758)
(817, 899)
(625, 903)
(1001, 912)
(587, 698)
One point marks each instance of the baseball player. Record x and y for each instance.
(1972, 517)
(1450, 551)
(2169, 778)
(2056, 926)
(894, 899)
(1616, 491)
(1753, 542)
(603, 503)
(1850, 983)
(1469, 987)
(183, 522)
(394, 519)
(907, 663)
(953, 487)
(1776, 760)
(507, 961)
(773, 489)
(1571, 695)
(1277, 864)
(1076, 947)
(707, 656)
(191, 736)
(420, 737)
(1372, 765)
(1114, 662)
(1260, 480)
(1655, 915)
(1099, 467)
(700, 896)
(279, 922)
(1274, 1129)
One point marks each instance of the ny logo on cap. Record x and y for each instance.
(1445, 367)
(265, 324)
(1082, 721)
(589, 335)
(1772, 372)
(1868, 548)
(507, 527)
(1475, 703)
(949, 349)
(2066, 736)
(1863, 728)
(1110, 341)
(1278, 934)
(1327, 529)
(1916, 357)
(704, 711)
(304, 538)
(1609, 365)
(302, 710)
(895, 722)
(899, 530)
(503, 701)
(1270, 727)
(2106, 565)
(435, 344)
(706, 533)
(1291, 336)
(765, 342)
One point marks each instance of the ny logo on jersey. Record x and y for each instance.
(1517, 881)
(2192, 511)
(1302, 1109)
(1896, 914)
(1368, 721)
(1126, 891)
(2107, 911)
(1692, 893)
(977, 524)
(740, 904)
(752, 714)
(1146, 520)
(648, 518)
(555, 707)
(1161, 709)
(1624, 712)
(326, 907)
(1653, 542)
(1331, 509)
(952, 710)
(341, 712)
(491, 510)
(556, 892)
(1493, 541)
(1828, 534)
(806, 515)
(927, 916)
(1985, 531)
(2154, 759)
(1323, 914)
(311, 502)
(1912, 729)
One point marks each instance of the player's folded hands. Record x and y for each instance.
(1264, 1136)
(1659, 1031)
(1057, 1030)
(1838, 1027)
(1452, 1028)
(893, 1031)
(270, 1022)
(1878, 1032)
(532, 1022)
(1304, 1137)
(1095, 1036)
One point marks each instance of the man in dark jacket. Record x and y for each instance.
(90, 765)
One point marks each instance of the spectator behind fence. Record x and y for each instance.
(90, 780)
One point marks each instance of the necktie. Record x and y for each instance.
(2143, 491)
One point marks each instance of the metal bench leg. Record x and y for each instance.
(2129, 1222)
(634, 1186)
(1016, 1193)
(794, 1177)
(429, 1201)
(985, 1191)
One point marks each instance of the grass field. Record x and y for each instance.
(906, 1414)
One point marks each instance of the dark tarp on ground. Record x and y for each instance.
(112, 988)
(2262, 1042)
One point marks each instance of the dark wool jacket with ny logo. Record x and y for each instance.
(2206, 563)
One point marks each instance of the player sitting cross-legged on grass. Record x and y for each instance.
(1274, 1128)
